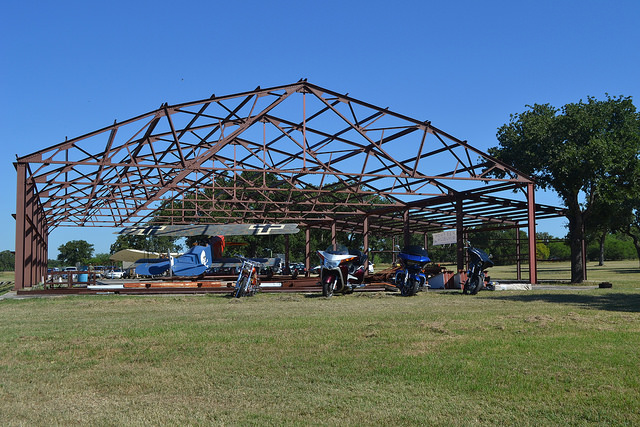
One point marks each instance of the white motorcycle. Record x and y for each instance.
(341, 270)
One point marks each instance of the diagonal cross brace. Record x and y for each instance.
(195, 163)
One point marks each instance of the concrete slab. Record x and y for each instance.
(513, 287)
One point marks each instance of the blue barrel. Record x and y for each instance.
(84, 276)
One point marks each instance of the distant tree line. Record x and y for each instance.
(7, 261)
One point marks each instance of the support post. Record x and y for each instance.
(20, 225)
(518, 252)
(406, 232)
(531, 204)
(459, 234)
(393, 250)
(366, 241)
(287, 259)
(307, 250)
(334, 242)
(30, 250)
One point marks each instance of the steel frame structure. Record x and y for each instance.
(294, 153)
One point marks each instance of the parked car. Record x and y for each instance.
(72, 271)
(50, 271)
(115, 274)
(99, 271)
(299, 267)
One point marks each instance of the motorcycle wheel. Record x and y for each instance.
(238, 292)
(410, 288)
(328, 287)
(467, 286)
(477, 285)
(242, 288)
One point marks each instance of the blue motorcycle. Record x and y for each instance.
(410, 278)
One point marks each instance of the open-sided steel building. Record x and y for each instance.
(295, 153)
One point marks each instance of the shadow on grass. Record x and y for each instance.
(317, 295)
(552, 270)
(608, 302)
(627, 270)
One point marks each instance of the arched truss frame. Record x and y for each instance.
(295, 153)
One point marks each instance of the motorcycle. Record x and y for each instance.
(478, 262)
(247, 283)
(341, 270)
(410, 278)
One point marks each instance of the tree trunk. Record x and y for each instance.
(601, 257)
(576, 236)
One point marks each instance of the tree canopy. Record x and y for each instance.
(75, 252)
(7, 261)
(587, 152)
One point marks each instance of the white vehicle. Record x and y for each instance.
(72, 271)
(115, 274)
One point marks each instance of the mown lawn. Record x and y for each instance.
(537, 357)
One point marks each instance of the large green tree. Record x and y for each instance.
(75, 252)
(586, 151)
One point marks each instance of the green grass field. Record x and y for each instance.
(566, 357)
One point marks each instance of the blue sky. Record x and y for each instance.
(70, 67)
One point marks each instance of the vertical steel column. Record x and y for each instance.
(21, 170)
(531, 205)
(426, 242)
(366, 239)
(406, 232)
(31, 237)
(459, 234)
(307, 250)
(333, 233)
(286, 250)
(43, 248)
(518, 252)
(45, 243)
(37, 243)
(393, 250)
